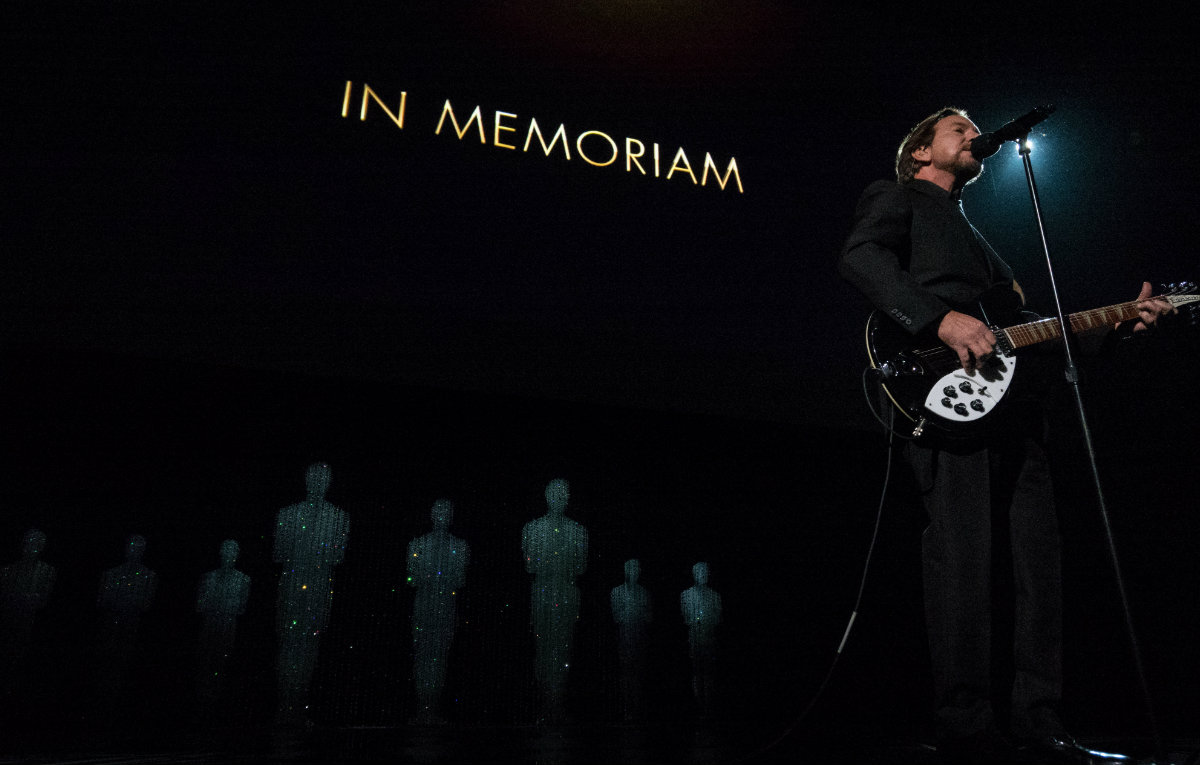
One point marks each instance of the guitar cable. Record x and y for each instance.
(879, 375)
(862, 586)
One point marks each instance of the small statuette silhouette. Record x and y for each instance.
(701, 607)
(555, 549)
(310, 540)
(437, 568)
(221, 598)
(631, 610)
(25, 587)
(126, 592)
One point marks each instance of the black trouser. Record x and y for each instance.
(968, 493)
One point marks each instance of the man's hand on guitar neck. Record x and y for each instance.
(967, 336)
(1149, 310)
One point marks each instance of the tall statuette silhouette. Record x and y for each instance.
(555, 549)
(310, 540)
(437, 568)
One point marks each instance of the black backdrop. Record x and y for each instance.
(213, 278)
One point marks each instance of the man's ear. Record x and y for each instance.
(922, 154)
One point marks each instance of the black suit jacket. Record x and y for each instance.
(915, 256)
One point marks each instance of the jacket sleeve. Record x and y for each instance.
(876, 254)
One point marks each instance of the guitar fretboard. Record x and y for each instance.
(1040, 331)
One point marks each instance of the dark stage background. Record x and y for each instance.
(212, 279)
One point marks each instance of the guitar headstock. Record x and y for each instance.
(1183, 295)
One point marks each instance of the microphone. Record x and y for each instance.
(987, 144)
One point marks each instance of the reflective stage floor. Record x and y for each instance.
(540, 745)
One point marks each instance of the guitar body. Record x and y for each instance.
(927, 384)
(924, 379)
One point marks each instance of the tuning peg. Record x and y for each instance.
(1178, 288)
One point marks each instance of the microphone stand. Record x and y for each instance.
(1071, 372)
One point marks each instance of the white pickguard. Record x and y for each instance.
(966, 396)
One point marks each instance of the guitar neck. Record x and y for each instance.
(1034, 332)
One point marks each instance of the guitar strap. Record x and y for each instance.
(991, 261)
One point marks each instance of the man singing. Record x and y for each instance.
(915, 256)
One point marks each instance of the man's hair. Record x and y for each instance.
(920, 135)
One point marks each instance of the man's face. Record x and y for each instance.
(950, 150)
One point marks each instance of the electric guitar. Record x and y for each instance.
(926, 383)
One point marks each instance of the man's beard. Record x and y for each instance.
(967, 170)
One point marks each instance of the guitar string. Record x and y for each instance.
(1033, 332)
(1048, 328)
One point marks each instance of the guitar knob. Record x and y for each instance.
(947, 403)
(977, 405)
(961, 409)
(950, 391)
(965, 387)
